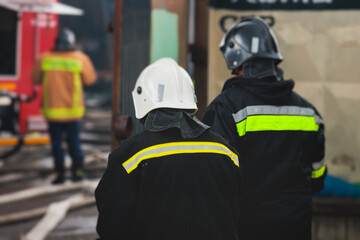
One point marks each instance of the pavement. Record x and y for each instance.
(31, 167)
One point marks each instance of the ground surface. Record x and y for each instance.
(32, 167)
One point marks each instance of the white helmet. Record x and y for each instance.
(163, 84)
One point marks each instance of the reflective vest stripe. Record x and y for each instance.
(45, 91)
(63, 113)
(273, 118)
(276, 123)
(318, 173)
(166, 149)
(77, 90)
(275, 110)
(61, 64)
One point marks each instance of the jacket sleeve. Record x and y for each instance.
(36, 74)
(88, 72)
(115, 200)
(319, 168)
(221, 121)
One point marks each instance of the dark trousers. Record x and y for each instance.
(72, 132)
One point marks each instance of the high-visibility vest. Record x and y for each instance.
(69, 65)
(62, 75)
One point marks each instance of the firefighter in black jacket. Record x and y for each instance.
(278, 134)
(175, 180)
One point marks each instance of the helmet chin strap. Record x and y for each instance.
(238, 72)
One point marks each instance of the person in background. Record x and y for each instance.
(177, 179)
(63, 72)
(278, 134)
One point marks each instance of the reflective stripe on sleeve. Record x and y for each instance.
(172, 148)
(318, 165)
(318, 173)
(61, 64)
(274, 118)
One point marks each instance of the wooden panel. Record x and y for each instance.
(200, 54)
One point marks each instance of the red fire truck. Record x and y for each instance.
(27, 29)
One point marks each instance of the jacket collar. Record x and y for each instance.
(187, 123)
(268, 89)
(260, 68)
(256, 74)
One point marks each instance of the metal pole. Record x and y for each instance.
(36, 36)
(118, 8)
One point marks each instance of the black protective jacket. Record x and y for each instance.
(280, 139)
(168, 184)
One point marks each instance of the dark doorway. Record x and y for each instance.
(8, 40)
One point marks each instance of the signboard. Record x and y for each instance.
(321, 50)
(294, 5)
(31, 2)
(40, 6)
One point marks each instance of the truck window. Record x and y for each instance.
(8, 41)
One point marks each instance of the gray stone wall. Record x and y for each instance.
(336, 219)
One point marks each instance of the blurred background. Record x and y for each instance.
(319, 40)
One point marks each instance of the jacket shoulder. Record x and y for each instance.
(213, 136)
(223, 105)
(81, 55)
(223, 99)
(130, 146)
(46, 55)
(302, 101)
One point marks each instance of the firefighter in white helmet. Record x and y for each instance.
(175, 180)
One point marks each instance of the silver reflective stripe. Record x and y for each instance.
(160, 93)
(255, 44)
(275, 110)
(178, 148)
(317, 165)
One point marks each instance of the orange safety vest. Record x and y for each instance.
(62, 75)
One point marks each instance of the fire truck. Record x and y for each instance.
(27, 29)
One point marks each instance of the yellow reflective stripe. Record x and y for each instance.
(61, 64)
(318, 173)
(241, 128)
(45, 91)
(166, 149)
(63, 113)
(163, 145)
(276, 123)
(77, 90)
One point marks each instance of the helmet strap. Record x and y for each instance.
(238, 72)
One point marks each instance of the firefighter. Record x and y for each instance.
(63, 72)
(175, 180)
(279, 135)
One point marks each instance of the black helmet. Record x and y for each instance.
(65, 40)
(249, 39)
